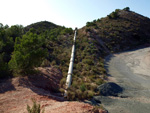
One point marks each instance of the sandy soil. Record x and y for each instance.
(16, 93)
(130, 70)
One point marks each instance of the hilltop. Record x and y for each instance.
(41, 26)
(119, 31)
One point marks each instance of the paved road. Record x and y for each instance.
(131, 70)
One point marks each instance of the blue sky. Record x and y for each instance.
(69, 13)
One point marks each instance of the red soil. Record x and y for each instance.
(17, 92)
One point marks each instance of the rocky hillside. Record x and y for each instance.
(42, 51)
(119, 31)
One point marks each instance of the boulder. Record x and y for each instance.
(109, 89)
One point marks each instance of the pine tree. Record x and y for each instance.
(28, 53)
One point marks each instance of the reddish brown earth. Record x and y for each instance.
(17, 92)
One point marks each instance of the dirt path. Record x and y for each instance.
(131, 70)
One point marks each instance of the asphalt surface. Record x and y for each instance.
(130, 70)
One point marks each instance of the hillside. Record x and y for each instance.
(45, 44)
(86, 71)
(121, 30)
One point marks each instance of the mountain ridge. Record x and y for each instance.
(126, 25)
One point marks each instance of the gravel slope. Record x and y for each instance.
(131, 70)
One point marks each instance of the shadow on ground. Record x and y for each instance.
(6, 85)
(45, 83)
(106, 63)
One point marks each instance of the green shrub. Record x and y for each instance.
(67, 31)
(88, 61)
(117, 10)
(84, 94)
(103, 70)
(87, 68)
(7, 37)
(36, 108)
(88, 24)
(88, 30)
(113, 15)
(79, 66)
(62, 90)
(82, 87)
(4, 70)
(99, 81)
(109, 16)
(45, 63)
(71, 95)
(126, 9)
(28, 53)
(88, 85)
(75, 84)
(98, 20)
(90, 94)
(62, 81)
(53, 63)
(79, 94)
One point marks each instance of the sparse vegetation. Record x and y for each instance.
(88, 24)
(114, 14)
(50, 45)
(36, 108)
(127, 9)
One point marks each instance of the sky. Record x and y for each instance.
(68, 13)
